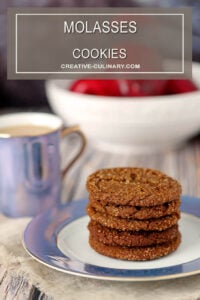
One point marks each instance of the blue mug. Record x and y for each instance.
(30, 173)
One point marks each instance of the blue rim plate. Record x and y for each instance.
(58, 238)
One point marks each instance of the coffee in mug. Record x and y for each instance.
(24, 130)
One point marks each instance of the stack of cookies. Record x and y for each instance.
(134, 213)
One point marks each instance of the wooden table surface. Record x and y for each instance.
(183, 164)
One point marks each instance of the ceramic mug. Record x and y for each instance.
(30, 174)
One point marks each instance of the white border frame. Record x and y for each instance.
(97, 14)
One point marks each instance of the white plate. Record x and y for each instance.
(59, 238)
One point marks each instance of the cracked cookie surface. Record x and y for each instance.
(132, 186)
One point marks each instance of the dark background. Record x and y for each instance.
(31, 93)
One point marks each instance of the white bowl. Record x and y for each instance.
(129, 124)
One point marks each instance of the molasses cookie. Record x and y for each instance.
(136, 212)
(132, 186)
(133, 224)
(114, 237)
(136, 253)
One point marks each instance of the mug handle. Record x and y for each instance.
(67, 131)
